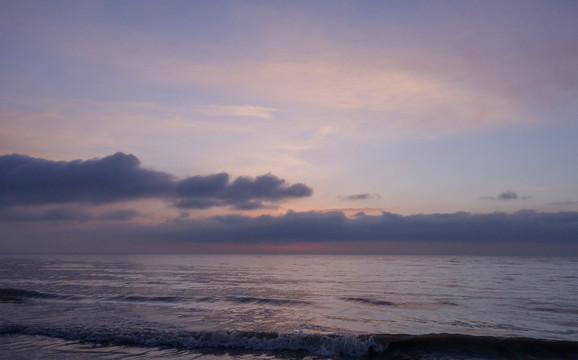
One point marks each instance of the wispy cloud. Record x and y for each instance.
(64, 214)
(120, 215)
(237, 111)
(405, 97)
(442, 83)
(506, 196)
(364, 196)
(565, 203)
(60, 214)
(358, 211)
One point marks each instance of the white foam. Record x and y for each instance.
(319, 344)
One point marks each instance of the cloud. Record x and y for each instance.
(62, 214)
(362, 211)
(565, 203)
(334, 227)
(244, 193)
(32, 181)
(118, 177)
(120, 215)
(434, 83)
(209, 185)
(265, 187)
(523, 232)
(237, 111)
(359, 197)
(51, 215)
(506, 196)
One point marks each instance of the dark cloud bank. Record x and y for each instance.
(27, 185)
(32, 181)
(521, 226)
(521, 233)
(63, 214)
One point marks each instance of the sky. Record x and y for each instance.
(410, 127)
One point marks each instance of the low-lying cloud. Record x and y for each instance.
(521, 226)
(50, 215)
(32, 181)
(65, 214)
(524, 233)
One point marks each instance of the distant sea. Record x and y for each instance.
(287, 307)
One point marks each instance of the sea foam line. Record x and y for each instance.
(318, 344)
(452, 346)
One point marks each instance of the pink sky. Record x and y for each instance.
(425, 107)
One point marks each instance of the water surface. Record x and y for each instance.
(261, 306)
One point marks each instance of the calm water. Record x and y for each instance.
(298, 306)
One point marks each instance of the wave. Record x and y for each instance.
(273, 301)
(571, 310)
(368, 301)
(13, 295)
(138, 298)
(382, 346)
(19, 295)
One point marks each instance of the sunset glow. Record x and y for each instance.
(230, 126)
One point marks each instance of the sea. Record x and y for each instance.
(229, 307)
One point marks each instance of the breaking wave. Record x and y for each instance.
(448, 346)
